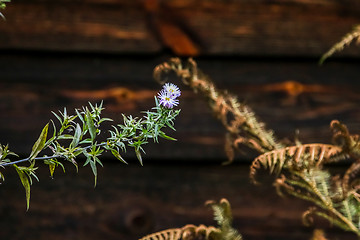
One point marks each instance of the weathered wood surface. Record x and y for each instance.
(192, 27)
(57, 54)
(131, 201)
(286, 95)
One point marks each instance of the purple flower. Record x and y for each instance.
(167, 100)
(172, 89)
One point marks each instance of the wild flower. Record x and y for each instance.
(172, 89)
(168, 95)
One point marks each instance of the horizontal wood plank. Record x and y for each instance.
(286, 95)
(207, 27)
(131, 201)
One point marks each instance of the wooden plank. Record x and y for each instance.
(131, 201)
(76, 27)
(286, 95)
(207, 27)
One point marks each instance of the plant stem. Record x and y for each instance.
(45, 157)
(28, 159)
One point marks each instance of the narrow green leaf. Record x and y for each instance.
(105, 119)
(90, 124)
(40, 143)
(48, 142)
(118, 156)
(138, 155)
(163, 135)
(94, 170)
(25, 182)
(52, 163)
(58, 117)
(77, 136)
(85, 141)
(79, 115)
(52, 168)
(65, 136)
(170, 126)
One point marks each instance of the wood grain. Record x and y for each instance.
(286, 96)
(132, 201)
(206, 27)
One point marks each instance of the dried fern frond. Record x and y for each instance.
(240, 122)
(342, 137)
(223, 216)
(296, 157)
(168, 234)
(350, 143)
(345, 41)
(315, 185)
(188, 232)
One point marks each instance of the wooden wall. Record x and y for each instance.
(56, 54)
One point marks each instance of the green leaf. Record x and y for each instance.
(163, 135)
(94, 170)
(40, 143)
(105, 119)
(79, 116)
(90, 124)
(170, 126)
(77, 137)
(2, 178)
(51, 168)
(138, 155)
(48, 142)
(65, 136)
(118, 156)
(86, 141)
(58, 117)
(25, 182)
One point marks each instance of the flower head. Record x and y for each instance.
(167, 100)
(172, 89)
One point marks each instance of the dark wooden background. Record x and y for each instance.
(56, 54)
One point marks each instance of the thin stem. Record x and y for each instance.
(45, 157)
(28, 159)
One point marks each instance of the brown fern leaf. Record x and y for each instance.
(202, 232)
(188, 232)
(350, 143)
(168, 234)
(306, 155)
(350, 175)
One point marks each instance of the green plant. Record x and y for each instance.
(79, 134)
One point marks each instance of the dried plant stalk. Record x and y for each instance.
(345, 41)
(225, 231)
(337, 199)
(240, 122)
